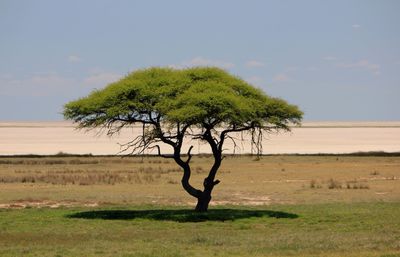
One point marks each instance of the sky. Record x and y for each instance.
(337, 60)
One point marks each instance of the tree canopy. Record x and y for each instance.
(204, 103)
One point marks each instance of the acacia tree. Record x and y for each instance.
(172, 105)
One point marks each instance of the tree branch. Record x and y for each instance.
(159, 152)
(186, 175)
(189, 155)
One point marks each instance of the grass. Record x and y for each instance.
(275, 206)
(362, 229)
(152, 180)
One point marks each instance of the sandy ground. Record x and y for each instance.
(312, 137)
(21, 204)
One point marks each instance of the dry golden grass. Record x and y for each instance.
(244, 180)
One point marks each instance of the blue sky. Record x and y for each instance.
(337, 60)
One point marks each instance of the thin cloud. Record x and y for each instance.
(44, 85)
(281, 77)
(101, 79)
(201, 61)
(254, 64)
(74, 58)
(362, 64)
(37, 85)
(356, 26)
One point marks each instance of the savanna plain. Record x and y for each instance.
(277, 205)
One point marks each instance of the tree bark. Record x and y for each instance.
(203, 201)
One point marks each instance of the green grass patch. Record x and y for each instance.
(356, 229)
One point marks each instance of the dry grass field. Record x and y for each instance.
(245, 180)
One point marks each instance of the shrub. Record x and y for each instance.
(334, 184)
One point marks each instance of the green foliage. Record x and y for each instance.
(195, 97)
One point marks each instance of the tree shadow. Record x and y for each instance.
(181, 215)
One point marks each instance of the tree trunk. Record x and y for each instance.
(204, 198)
(203, 201)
